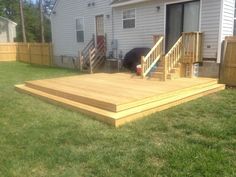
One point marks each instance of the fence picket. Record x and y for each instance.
(33, 53)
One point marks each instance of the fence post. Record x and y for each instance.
(41, 54)
(29, 54)
(50, 55)
(17, 52)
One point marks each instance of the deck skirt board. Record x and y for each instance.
(119, 104)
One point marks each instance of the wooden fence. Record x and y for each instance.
(228, 64)
(34, 53)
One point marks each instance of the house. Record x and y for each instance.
(7, 30)
(128, 24)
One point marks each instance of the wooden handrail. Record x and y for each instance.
(90, 44)
(84, 55)
(154, 48)
(186, 50)
(97, 54)
(173, 57)
(155, 54)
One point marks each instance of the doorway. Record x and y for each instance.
(100, 35)
(181, 17)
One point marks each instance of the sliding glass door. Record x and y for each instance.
(181, 17)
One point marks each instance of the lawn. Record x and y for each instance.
(39, 139)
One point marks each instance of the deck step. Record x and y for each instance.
(161, 69)
(80, 94)
(119, 118)
(170, 76)
(72, 94)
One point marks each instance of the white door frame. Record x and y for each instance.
(95, 23)
(176, 2)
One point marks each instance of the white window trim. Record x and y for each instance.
(129, 18)
(79, 30)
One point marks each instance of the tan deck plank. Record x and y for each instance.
(116, 92)
(121, 90)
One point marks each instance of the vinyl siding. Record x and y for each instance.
(150, 22)
(228, 18)
(210, 24)
(227, 27)
(7, 31)
(64, 24)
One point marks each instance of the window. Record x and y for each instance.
(129, 18)
(80, 29)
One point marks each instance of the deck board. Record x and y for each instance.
(118, 96)
(118, 88)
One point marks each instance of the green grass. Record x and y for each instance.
(39, 139)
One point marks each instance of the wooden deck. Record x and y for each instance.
(118, 98)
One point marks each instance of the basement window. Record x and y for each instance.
(129, 18)
(80, 29)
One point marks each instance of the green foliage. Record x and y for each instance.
(10, 9)
(195, 139)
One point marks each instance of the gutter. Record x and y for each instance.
(128, 3)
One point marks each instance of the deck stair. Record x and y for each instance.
(119, 104)
(92, 56)
(174, 73)
(187, 50)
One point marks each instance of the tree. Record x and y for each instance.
(10, 9)
(48, 6)
(22, 20)
(41, 20)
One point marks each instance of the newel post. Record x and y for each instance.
(142, 67)
(80, 61)
(183, 48)
(90, 62)
(165, 69)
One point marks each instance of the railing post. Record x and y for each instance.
(105, 44)
(90, 62)
(191, 70)
(156, 38)
(193, 48)
(197, 49)
(93, 40)
(80, 61)
(183, 46)
(142, 67)
(165, 68)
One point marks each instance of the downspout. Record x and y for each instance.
(112, 30)
(220, 31)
